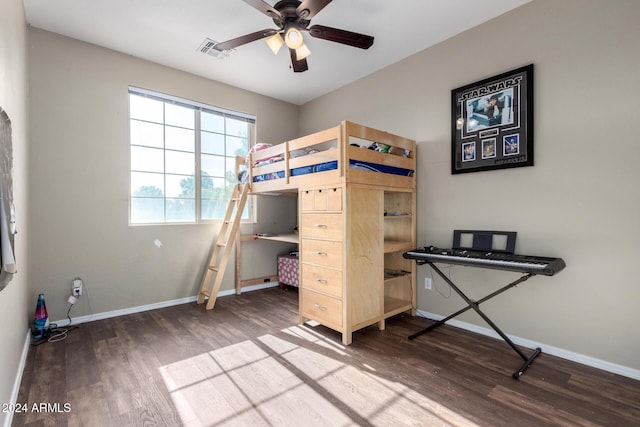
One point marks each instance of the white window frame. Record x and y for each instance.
(198, 108)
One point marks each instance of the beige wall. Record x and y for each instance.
(80, 179)
(15, 304)
(580, 201)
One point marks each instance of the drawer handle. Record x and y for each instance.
(320, 307)
(323, 281)
(320, 225)
(321, 253)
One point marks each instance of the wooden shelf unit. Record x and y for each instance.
(400, 236)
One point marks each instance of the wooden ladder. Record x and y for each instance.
(226, 237)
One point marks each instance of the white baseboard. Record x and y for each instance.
(16, 384)
(560, 352)
(141, 308)
(251, 288)
(122, 312)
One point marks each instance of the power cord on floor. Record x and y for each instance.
(56, 334)
(59, 334)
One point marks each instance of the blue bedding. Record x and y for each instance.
(322, 167)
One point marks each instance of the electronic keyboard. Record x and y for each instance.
(497, 260)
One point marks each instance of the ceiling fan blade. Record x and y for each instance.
(341, 36)
(310, 8)
(298, 66)
(265, 8)
(247, 38)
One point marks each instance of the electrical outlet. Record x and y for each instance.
(427, 282)
(76, 287)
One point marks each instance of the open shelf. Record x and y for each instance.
(401, 216)
(393, 306)
(396, 245)
(398, 292)
(286, 238)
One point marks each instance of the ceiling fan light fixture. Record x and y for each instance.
(302, 52)
(292, 17)
(293, 38)
(275, 42)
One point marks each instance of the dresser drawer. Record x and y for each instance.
(334, 199)
(323, 199)
(321, 252)
(321, 225)
(324, 309)
(322, 279)
(307, 200)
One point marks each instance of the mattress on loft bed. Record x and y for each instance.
(332, 165)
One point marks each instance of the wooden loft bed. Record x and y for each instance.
(330, 157)
(356, 215)
(271, 172)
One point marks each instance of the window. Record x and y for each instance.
(182, 158)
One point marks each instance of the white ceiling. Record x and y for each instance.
(169, 32)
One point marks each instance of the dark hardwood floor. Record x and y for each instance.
(249, 363)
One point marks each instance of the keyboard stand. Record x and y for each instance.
(471, 304)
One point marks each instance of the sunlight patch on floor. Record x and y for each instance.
(274, 381)
(379, 401)
(310, 335)
(242, 385)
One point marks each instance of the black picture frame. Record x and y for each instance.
(492, 123)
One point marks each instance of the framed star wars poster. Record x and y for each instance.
(492, 123)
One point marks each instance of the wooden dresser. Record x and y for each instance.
(346, 243)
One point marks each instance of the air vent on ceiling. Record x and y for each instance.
(208, 47)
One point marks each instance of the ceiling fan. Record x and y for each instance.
(292, 17)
